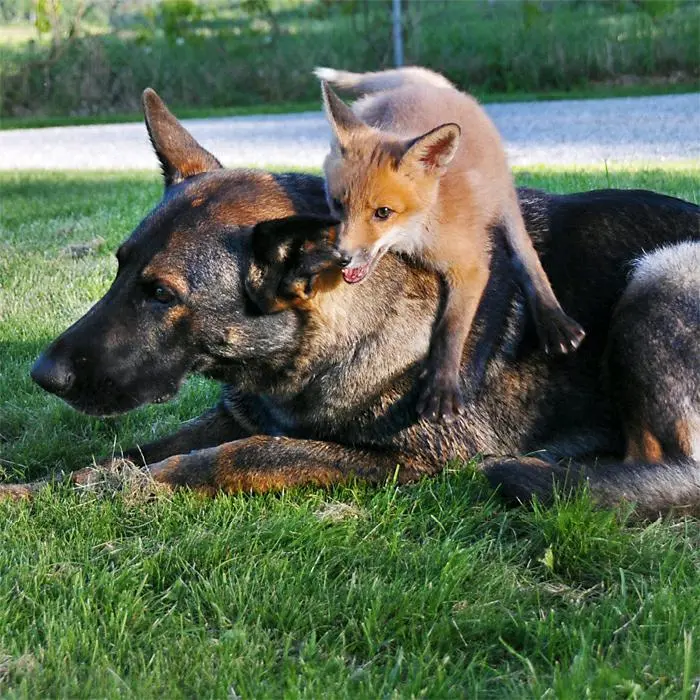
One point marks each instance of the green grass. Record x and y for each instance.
(431, 590)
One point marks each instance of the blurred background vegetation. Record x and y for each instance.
(83, 57)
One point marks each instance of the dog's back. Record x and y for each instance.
(654, 356)
(652, 377)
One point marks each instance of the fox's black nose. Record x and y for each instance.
(344, 259)
(54, 375)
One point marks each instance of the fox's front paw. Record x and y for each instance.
(559, 334)
(440, 398)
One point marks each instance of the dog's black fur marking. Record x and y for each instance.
(288, 255)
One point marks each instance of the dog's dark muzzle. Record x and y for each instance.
(54, 374)
(103, 367)
(63, 369)
(82, 380)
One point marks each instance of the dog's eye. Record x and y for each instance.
(160, 293)
(337, 205)
(383, 213)
(163, 295)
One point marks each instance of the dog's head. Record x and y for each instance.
(380, 185)
(217, 276)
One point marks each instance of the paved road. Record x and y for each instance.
(580, 132)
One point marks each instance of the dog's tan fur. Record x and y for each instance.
(430, 154)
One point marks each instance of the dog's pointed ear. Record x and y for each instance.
(179, 154)
(341, 118)
(434, 150)
(291, 260)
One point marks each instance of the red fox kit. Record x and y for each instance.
(417, 166)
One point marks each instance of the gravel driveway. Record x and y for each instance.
(575, 132)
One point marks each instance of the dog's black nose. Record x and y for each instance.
(55, 376)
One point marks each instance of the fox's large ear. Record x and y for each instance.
(179, 154)
(342, 119)
(432, 151)
(292, 259)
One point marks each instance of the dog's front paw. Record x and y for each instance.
(559, 334)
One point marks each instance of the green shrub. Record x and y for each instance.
(256, 53)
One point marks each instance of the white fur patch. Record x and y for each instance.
(255, 274)
(282, 251)
(677, 264)
(410, 238)
(327, 74)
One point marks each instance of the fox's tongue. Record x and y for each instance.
(355, 274)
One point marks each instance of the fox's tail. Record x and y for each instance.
(364, 83)
(655, 489)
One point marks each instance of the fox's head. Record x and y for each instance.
(381, 186)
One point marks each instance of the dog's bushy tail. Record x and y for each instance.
(365, 83)
(654, 489)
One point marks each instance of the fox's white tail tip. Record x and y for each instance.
(327, 74)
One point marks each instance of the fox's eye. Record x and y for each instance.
(383, 213)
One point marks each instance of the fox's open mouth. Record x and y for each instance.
(356, 273)
(362, 266)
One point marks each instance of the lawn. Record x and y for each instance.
(431, 590)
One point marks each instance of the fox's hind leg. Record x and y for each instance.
(441, 396)
(558, 333)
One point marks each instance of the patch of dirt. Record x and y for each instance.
(12, 667)
(20, 492)
(336, 512)
(82, 250)
(122, 476)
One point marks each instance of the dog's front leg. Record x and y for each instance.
(261, 463)
(215, 427)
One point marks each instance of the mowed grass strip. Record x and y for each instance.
(431, 590)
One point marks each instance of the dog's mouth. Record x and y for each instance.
(106, 402)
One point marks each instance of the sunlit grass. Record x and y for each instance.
(431, 590)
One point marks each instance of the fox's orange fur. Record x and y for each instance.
(416, 146)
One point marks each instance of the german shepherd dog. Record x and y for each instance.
(322, 390)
